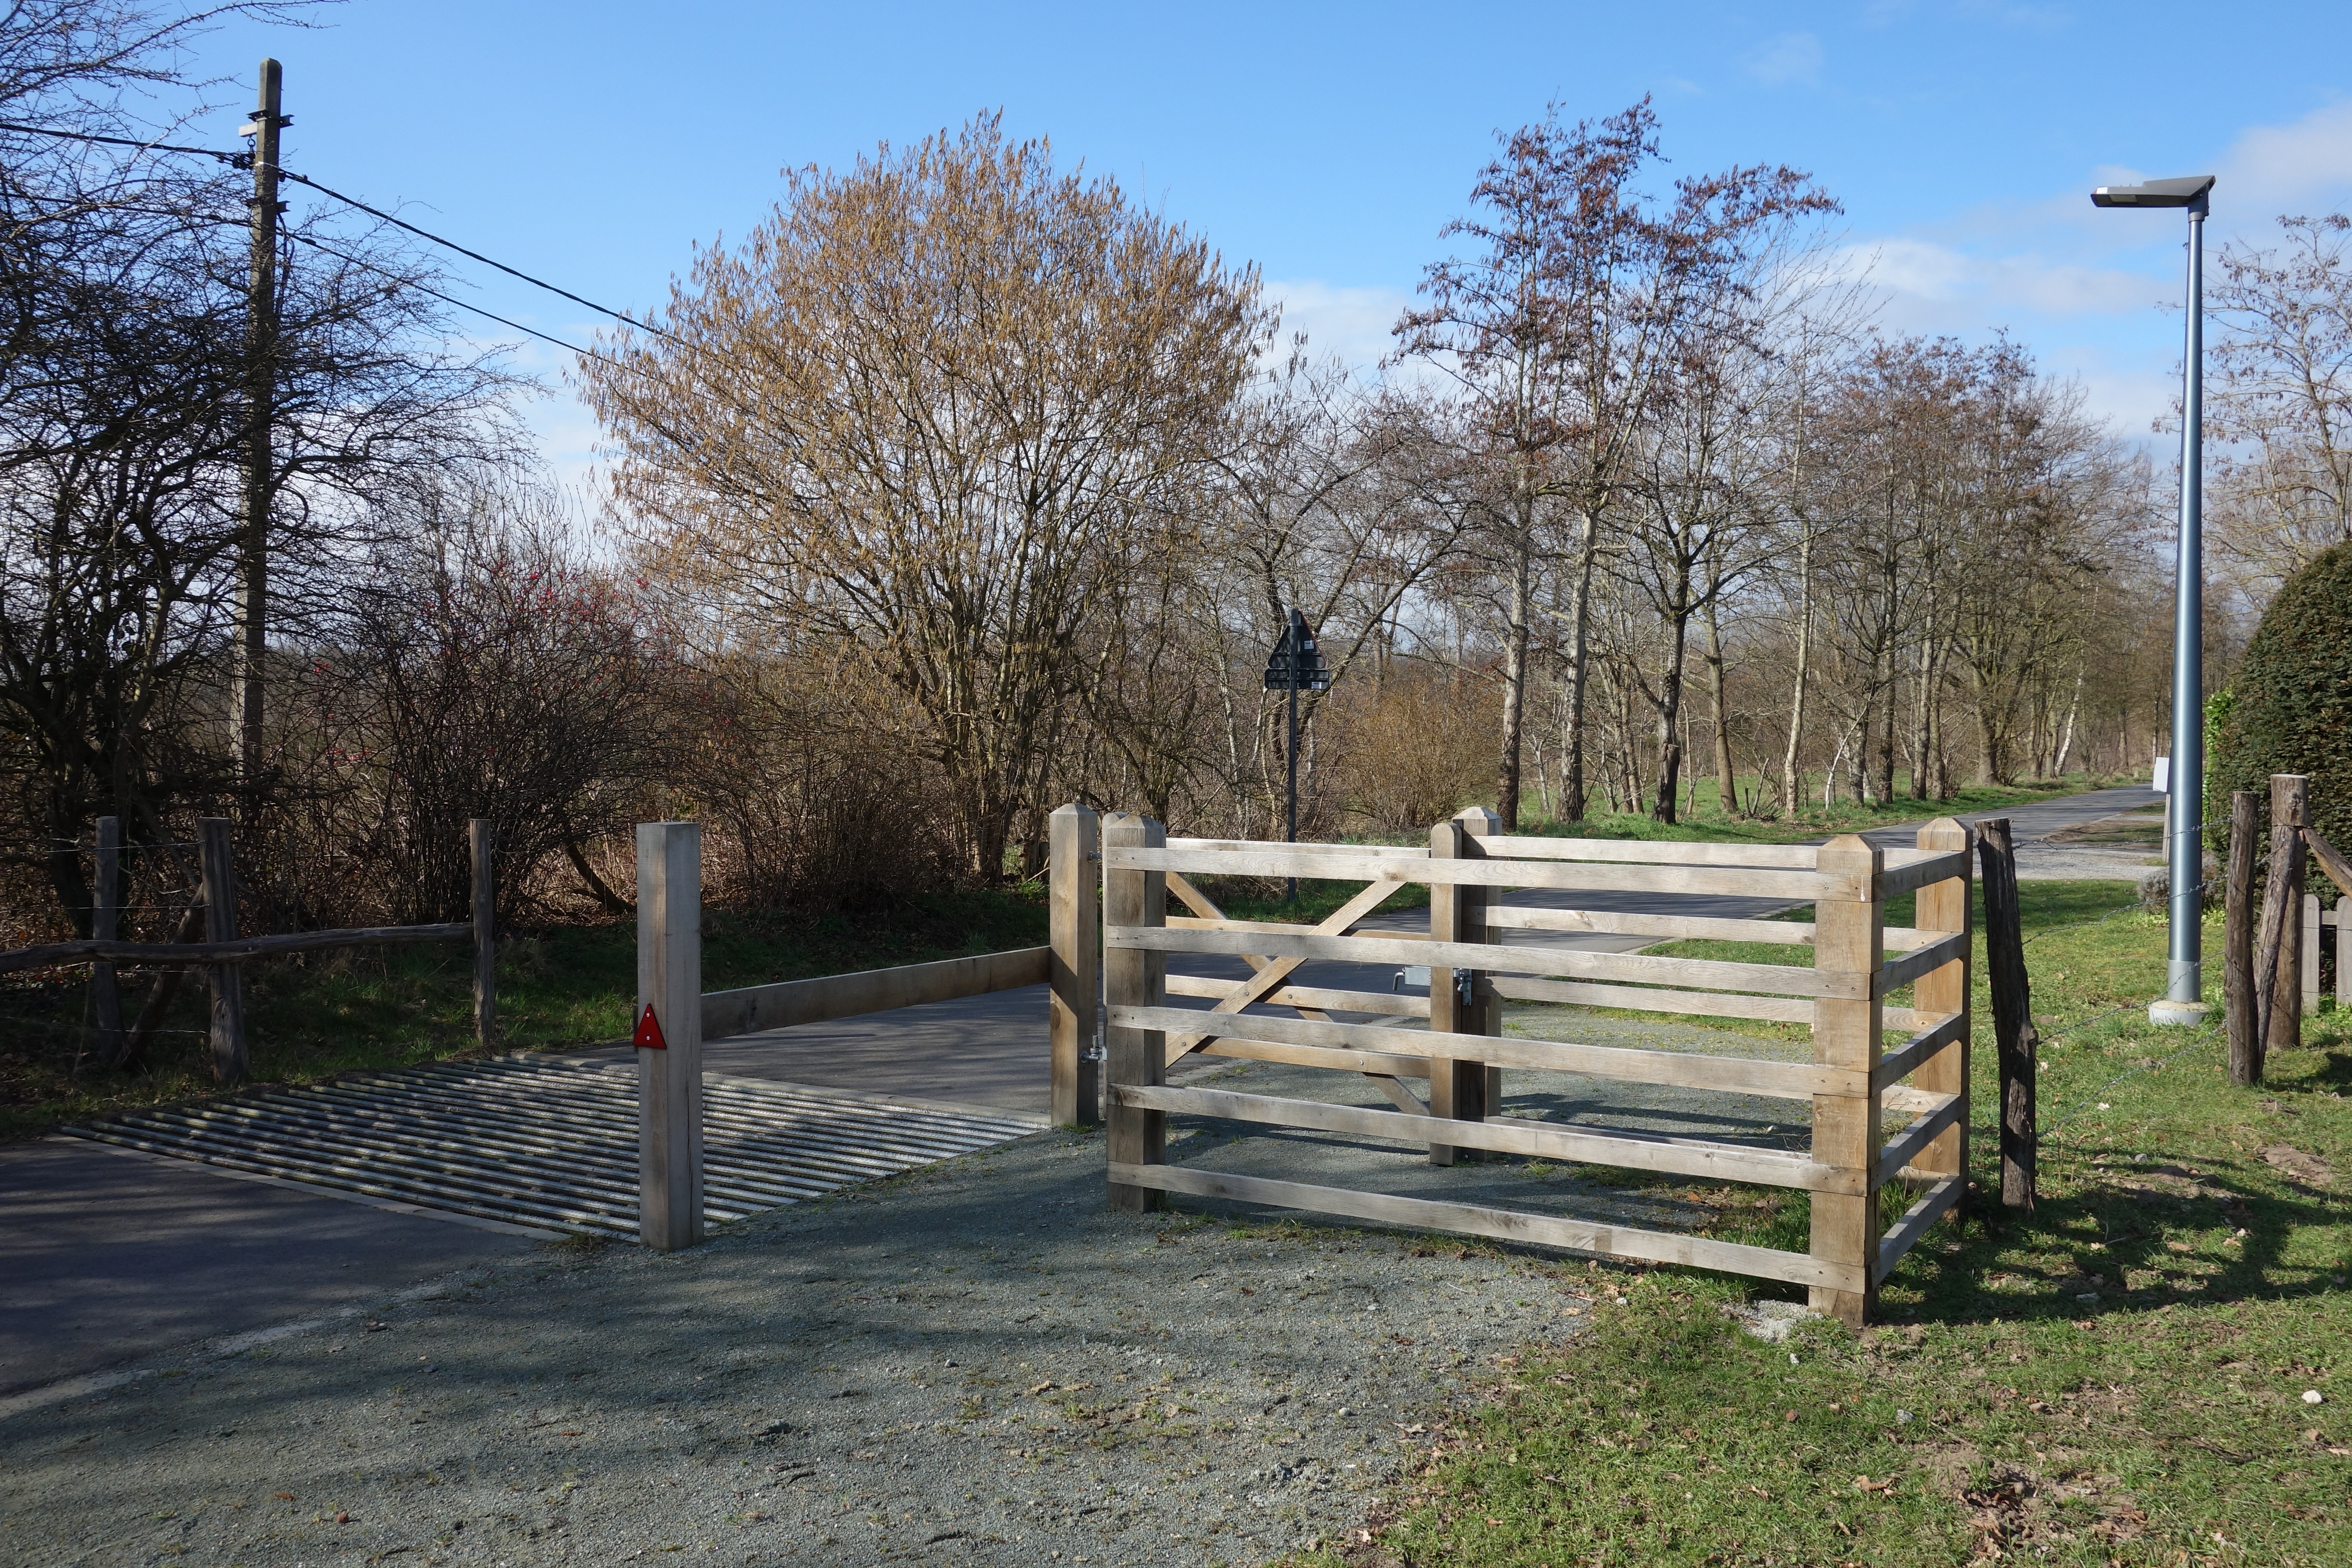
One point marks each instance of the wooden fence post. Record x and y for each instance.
(1944, 906)
(1849, 940)
(2276, 971)
(669, 1011)
(2014, 1036)
(1073, 836)
(1479, 823)
(1458, 1089)
(230, 1056)
(2241, 1004)
(481, 838)
(1132, 978)
(106, 924)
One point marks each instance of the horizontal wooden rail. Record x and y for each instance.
(1778, 979)
(1907, 870)
(827, 997)
(1905, 1232)
(1608, 922)
(1897, 973)
(1338, 1058)
(1635, 851)
(1282, 861)
(1228, 846)
(1501, 1225)
(1391, 1004)
(1906, 1145)
(1642, 999)
(1201, 922)
(239, 951)
(1736, 1075)
(1904, 1060)
(1510, 1135)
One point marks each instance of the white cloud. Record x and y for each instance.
(1921, 282)
(1353, 322)
(1790, 58)
(2284, 165)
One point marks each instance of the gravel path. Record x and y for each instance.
(973, 1363)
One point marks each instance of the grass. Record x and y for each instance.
(370, 1009)
(2118, 1377)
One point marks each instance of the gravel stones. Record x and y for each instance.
(971, 1363)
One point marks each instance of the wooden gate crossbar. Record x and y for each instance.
(1858, 962)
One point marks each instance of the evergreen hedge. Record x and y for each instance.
(2290, 708)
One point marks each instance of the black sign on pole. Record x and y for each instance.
(1296, 665)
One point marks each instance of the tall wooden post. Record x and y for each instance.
(481, 838)
(1481, 823)
(1074, 837)
(106, 925)
(2277, 971)
(1849, 938)
(1458, 1089)
(669, 1076)
(2242, 1007)
(2308, 970)
(230, 1058)
(2014, 1036)
(1132, 978)
(1944, 907)
(251, 647)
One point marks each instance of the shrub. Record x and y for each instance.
(2290, 708)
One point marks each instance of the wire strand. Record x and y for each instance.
(235, 160)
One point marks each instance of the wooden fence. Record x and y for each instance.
(2271, 952)
(224, 953)
(1852, 1083)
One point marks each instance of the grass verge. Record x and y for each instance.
(2122, 1377)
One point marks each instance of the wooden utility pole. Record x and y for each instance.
(261, 383)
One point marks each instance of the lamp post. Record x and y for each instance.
(2185, 853)
(1296, 666)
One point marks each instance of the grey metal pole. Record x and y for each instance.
(2186, 857)
(1290, 892)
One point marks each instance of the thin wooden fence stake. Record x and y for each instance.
(1848, 935)
(230, 1058)
(669, 1035)
(105, 924)
(481, 838)
(2277, 979)
(1074, 840)
(2242, 1005)
(2014, 1036)
(1944, 906)
(2310, 966)
(1134, 978)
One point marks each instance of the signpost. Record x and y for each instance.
(1295, 666)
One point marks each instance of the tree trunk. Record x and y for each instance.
(1515, 667)
(1670, 716)
(1580, 662)
(1792, 788)
(1726, 781)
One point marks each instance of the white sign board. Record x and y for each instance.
(2163, 784)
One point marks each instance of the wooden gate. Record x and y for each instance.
(1852, 1082)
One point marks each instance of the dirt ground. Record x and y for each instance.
(973, 1363)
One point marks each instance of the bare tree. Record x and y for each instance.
(916, 406)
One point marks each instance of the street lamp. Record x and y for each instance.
(2185, 854)
(1296, 666)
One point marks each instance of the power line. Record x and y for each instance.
(620, 316)
(236, 160)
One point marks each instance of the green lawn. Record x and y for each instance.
(2122, 1376)
(370, 1009)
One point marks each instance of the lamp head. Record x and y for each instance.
(2186, 192)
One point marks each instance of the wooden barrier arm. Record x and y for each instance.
(236, 951)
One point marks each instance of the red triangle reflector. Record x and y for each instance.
(649, 1035)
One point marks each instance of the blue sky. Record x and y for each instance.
(597, 144)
